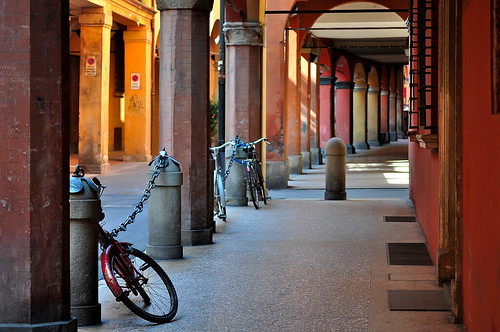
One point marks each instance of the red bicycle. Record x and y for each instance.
(133, 277)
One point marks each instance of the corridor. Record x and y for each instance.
(300, 263)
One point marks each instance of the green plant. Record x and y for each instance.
(213, 117)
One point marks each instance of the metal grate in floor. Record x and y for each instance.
(418, 300)
(400, 219)
(408, 254)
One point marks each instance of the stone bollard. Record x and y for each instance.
(164, 214)
(85, 213)
(335, 152)
(236, 187)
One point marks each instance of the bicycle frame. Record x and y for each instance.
(108, 243)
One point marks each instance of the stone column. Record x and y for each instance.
(34, 167)
(343, 111)
(184, 61)
(95, 25)
(359, 116)
(305, 111)
(243, 107)
(372, 115)
(243, 48)
(399, 116)
(293, 104)
(384, 117)
(137, 133)
(392, 116)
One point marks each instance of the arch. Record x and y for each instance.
(373, 78)
(307, 21)
(342, 69)
(359, 75)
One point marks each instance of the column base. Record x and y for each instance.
(373, 143)
(350, 149)
(196, 237)
(60, 326)
(276, 174)
(315, 156)
(393, 136)
(295, 164)
(96, 169)
(164, 252)
(137, 157)
(335, 195)
(306, 159)
(361, 146)
(87, 314)
(236, 201)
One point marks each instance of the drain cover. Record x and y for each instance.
(418, 300)
(400, 219)
(408, 254)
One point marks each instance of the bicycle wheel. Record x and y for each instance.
(220, 199)
(147, 290)
(260, 180)
(252, 187)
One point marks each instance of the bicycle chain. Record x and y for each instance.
(160, 162)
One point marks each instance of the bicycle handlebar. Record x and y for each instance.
(223, 145)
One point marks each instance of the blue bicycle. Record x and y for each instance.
(253, 168)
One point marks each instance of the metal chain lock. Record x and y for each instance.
(161, 161)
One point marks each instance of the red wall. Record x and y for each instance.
(424, 192)
(481, 175)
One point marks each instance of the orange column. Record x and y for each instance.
(293, 103)
(276, 117)
(95, 27)
(305, 111)
(137, 135)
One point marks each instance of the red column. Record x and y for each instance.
(343, 112)
(184, 106)
(34, 166)
(276, 120)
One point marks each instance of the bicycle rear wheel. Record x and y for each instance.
(260, 180)
(252, 187)
(147, 290)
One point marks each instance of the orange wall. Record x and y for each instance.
(481, 175)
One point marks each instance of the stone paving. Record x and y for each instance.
(301, 263)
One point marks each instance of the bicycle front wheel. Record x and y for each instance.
(147, 290)
(220, 197)
(252, 187)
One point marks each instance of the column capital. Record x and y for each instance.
(373, 89)
(344, 85)
(101, 16)
(327, 80)
(203, 5)
(384, 92)
(138, 36)
(243, 33)
(360, 87)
